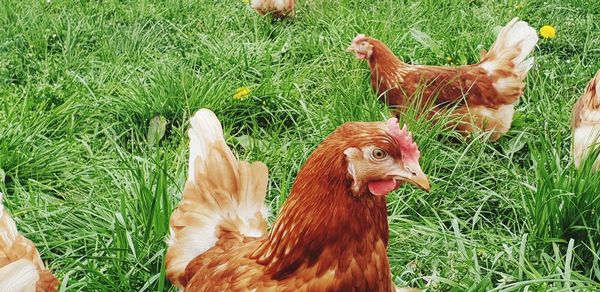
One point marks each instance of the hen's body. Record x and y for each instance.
(439, 85)
(331, 259)
(586, 123)
(484, 93)
(465, 89)
(331, 233)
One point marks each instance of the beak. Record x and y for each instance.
(421, 181)
(351, 49)
(414, 175)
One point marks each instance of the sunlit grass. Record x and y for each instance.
(80, 83)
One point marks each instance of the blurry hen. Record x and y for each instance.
(331, 234)
(484, 93)
(21, 268)
(586, 123)
(276, 8)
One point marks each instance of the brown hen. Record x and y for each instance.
(331, 233)
(483, 94)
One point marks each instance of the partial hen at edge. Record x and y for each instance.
(585, 123)
(21, 267)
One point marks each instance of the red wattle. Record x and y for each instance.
(382, 187)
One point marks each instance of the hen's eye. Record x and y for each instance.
(378, 154)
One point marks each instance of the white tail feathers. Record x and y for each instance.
(593, 89)
(589, 102)
(513, 44)
(205, 131)
(586, 123)
(20, 275)
(20, 260)
(506, 62)
(221, 195)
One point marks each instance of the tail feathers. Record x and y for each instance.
(506, 62)
(587, 108)
(585, 123)
(222, 194)
(16, 249)
(592, 92)
(206, 131)
(20, 275)
(513, 44)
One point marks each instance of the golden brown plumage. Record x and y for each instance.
(276, 8)
(21, 268)
(585, 122)
(484, 93)
(331, 233)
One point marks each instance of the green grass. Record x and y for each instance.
(80, 82)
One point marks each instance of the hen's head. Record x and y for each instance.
(380, 157)
(361, 46)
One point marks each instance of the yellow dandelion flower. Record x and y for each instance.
(242, 93)
(246, 2)
(548, 32)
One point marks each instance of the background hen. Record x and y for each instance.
(485, 92)
(21, 268)
(277, 8)
(586, 122)
(332, 232)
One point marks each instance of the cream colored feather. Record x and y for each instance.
(586, 123)
(220, 189)
(21, 266)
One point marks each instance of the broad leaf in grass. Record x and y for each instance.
(428, 42)
(156, 130)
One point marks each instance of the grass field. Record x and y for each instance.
(80, 82)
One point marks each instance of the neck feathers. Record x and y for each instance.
(385, 65)
(321, 220)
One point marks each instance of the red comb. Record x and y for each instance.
(403, 137)
(359, 37)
